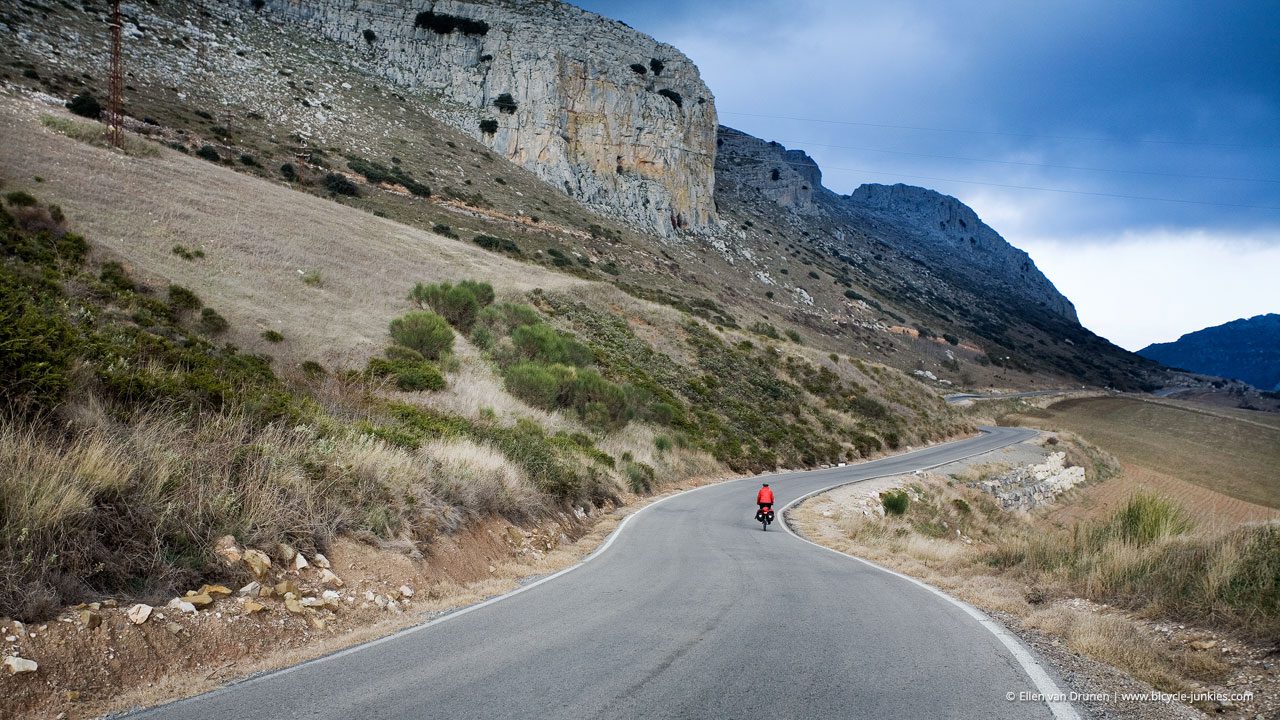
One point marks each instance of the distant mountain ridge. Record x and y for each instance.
(1247, 349)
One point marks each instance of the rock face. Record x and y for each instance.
(615, 118)
(1245, 349)
(787, 177)
(944, 230)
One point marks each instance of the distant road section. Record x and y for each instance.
(960, 397)
(691, 611)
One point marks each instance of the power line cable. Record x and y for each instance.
(1023, 187)
(1033, 164)
(999, 132)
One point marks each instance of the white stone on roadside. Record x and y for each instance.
(322, 561)
(312, 602)
(183, 605)
(257, 561)
(15, 665)
(226, 548)
(300, 562)
(406, 591)
(250, 590)
(329, 579)
(139, 613)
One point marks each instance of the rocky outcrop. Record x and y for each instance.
(786, 177)
(1029, 486)
(616, 119)
(943, 231)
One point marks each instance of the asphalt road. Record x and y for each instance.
(960, 397)
(691, 612)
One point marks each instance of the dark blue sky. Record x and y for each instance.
(1171, 100)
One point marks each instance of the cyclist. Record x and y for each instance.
(764, 499)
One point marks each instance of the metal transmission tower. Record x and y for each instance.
(115, 101)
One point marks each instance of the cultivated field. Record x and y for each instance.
(1176, 447)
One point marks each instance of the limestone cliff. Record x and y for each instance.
(615, 118)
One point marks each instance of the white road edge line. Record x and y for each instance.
(254, 679)
(1061, 709)
(452, 614)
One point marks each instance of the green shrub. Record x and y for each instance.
(114, 275)
(20, 198)
(212, 323)
(505, 103)
(673, 96)
(489, 126)
(210, 153)
(410, 375)
(599, 402)
(459, 304)
(85, 105)
(424, 331)
(662, 443)
(249, 160)
(497, 244)
(894, 501)
(1145, 519)
(402, 353)
(312, 278)
(539, 384)
(369, 36)
(37, 344)
(182, 300)
(376, 173)
(445, 230)
(273, 336)
(502, 319)
(340, 185)
(443, 23)
(288, 172)
(765, 329)
(793, 336)
(542, 343)
(313, 368)
(951, 338)
(640, 477)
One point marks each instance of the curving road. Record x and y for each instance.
(690, 612)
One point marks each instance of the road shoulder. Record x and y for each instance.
(845, 519)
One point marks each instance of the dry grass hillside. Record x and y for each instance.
(210, 303)
(261, 241)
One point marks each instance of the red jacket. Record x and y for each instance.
(765, 496)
